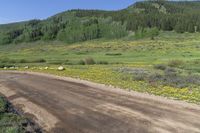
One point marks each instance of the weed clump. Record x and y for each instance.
(39, 61)
(81, 62)
(23, 61)
(113, 54)
(160, 66)
(89, 61)
(175, 63)
(102, 62)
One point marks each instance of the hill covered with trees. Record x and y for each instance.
(81, 25)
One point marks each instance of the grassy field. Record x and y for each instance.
(10, 122)
(166, 66)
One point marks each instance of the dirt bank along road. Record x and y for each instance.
(66, 106)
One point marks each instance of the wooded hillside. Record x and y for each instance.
(81, 25)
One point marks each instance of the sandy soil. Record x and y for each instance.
(66, 105)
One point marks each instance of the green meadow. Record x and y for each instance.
(10, 122)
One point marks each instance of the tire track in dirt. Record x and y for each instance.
(66, 105)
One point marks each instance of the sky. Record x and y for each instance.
(21, 10)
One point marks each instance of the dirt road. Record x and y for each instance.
(65, 106)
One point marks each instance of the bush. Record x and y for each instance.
(170, 71)
(197, 62)
(175, 63)
(139, 77)
(103, 62)
(81, 62)
(5, 65)
(89, 61)
(114, 54)
(146, 33)
(39, 61)
(170, 77)
(139, 74)
(160, 66)
(23, 61)
(155, 77)
(3, 105)
(193, 79)
(56, 62)
(5, 60)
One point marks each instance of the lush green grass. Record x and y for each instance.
(9, 122)
(165, 47)
(178, 53)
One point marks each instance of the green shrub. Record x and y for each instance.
(23, 61)
(114, 54)
(39, 61)
(170, 71)
(5, 60)
(197, 62)
(3, 105)
(170, 77)
(146, 33)
(89, 61)
(139, 77)
(81, 53)
(56, 62)
(5, 65)
(81, 62)
(175, 63)
(139, 74)
(155, 77)
(103, 62)
(160, 66)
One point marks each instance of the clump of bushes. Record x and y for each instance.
(197, 62)
(102, 62)
(12, 122)
(175, 63)
(7, 60)
(160, 66)
(139, 74)
(168, 77)
(172, 78)
(23, 61)
(172, 63)
(3, 105)
(91, 61)
(5, 65)
(146, 33)
(12, 61)
(87, 61)
(39, 61)
(81, 52)
(140, 77)
(32, 61)
(56, 62)
(81, 62)
(113, 54)
(135, 71)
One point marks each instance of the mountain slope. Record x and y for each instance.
(82, 25)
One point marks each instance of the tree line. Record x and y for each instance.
(165, 15)
(71, 30)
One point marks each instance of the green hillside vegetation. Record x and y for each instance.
(82, 25)
(12, 122)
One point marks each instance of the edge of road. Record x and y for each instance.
(109, 88)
